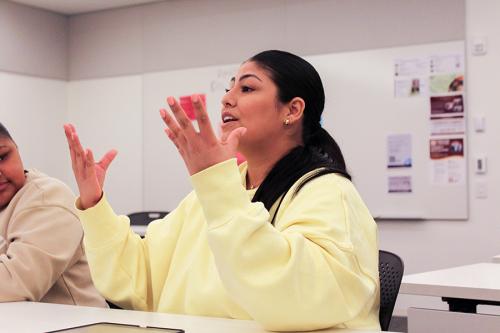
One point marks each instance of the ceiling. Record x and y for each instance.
(71, 7)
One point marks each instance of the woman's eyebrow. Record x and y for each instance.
(246, 76)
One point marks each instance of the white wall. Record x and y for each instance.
(33, 41)
(33, 110)
(179, 34)
(436, 244)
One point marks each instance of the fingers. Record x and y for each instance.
(184, 123)
(202, 118)
(69, 138)
(107, 159)
(234, 137)
(173, 130)
(78, 156)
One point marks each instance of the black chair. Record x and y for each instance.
(391, 269)
(143, 218)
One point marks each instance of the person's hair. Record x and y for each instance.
(4, 133)
(295, 77)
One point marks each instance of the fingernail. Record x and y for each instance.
(170, 101)
(162, 113)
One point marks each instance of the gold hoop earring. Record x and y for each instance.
(286, 122)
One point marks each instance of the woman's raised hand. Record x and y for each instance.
(202, 149)
(88, 174)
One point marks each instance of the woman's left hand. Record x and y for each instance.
(202, 149)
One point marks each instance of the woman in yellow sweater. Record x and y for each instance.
(284, 239)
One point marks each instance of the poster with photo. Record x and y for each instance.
(445, 148)
(446, 83)
(411, 77)
(447, 161)
(412, 86)
(447, 106)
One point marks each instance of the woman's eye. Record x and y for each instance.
(246, 89)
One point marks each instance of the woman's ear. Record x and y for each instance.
(296, 110)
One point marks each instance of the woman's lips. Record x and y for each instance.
(3, 186)
(231, 123)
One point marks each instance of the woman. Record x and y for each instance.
(41, 251)
(285, 239)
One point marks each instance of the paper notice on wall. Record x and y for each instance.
(448, 172)
(416, 66)
(399, 184)
(447, 161)
(399, 151)
(447, 106)
(446, 83)
(447, 115)
(412, 86)
(411, 77)
(443, 126)
(447, 63)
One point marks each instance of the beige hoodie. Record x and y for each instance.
(41, 252)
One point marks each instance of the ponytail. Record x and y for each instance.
(324, 144)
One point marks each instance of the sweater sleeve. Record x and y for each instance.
(117, 257)
(302, 274)
(42, 240)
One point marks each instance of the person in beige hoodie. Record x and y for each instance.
(41, 253)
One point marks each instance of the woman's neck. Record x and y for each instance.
(260, 163)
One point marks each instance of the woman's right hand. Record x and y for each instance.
(88, 174)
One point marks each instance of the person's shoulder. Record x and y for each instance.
(47, 190)
(326, 182)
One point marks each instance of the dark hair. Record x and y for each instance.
(295, 77)
(4, 133)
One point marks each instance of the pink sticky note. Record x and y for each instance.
(188, 107)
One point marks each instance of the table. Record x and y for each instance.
(28, 317)
(463, 288)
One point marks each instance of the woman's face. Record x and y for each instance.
(12, 176)
(252, 102)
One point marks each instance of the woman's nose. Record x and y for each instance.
(228, 100)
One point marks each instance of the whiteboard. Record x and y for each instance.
(360, 112)
(107, 114)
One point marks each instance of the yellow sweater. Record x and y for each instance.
(217, 255)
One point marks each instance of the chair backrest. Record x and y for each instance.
(143, 218)
(391, 269)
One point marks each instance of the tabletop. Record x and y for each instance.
(28, 317)
(478, 281)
